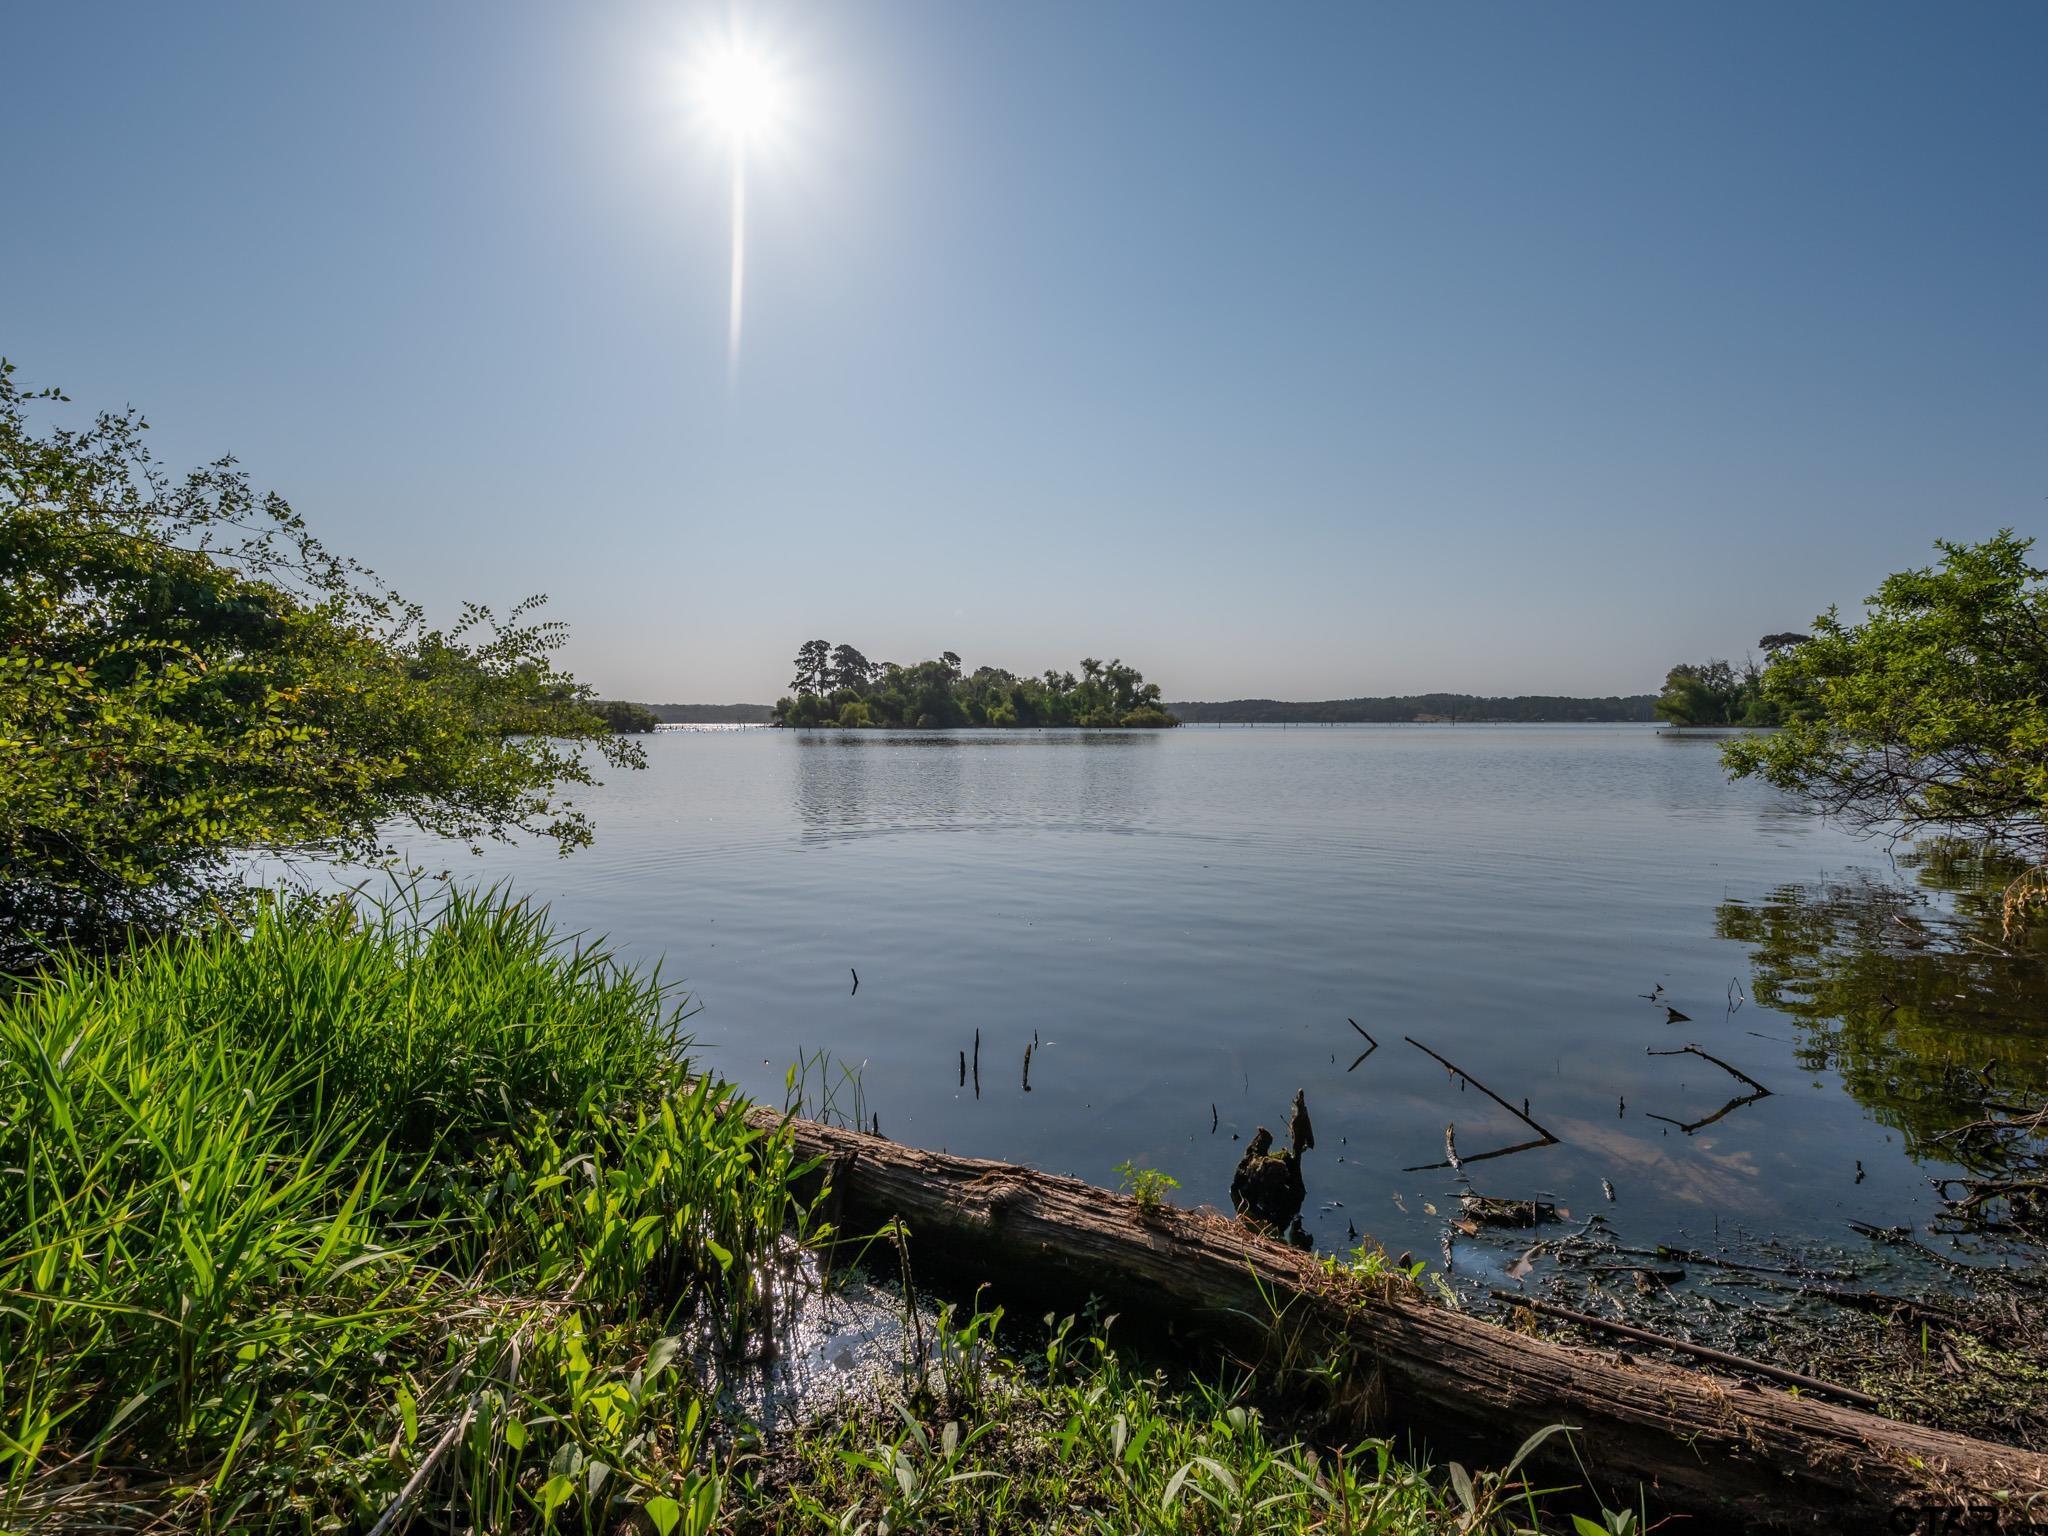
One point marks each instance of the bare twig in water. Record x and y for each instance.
(856, 982)
(1371, 1044)
(1027, 1069)
(1689, 1126)
(1480, 1157)
(1734, 1072)
(1543, 1137)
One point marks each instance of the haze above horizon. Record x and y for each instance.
(1299, 355)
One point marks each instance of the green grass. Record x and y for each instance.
(289, 1208)
(1077, 1441)
(419, 1209)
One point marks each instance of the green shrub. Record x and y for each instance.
(189, 675)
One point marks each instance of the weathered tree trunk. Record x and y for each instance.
(1695, 1441)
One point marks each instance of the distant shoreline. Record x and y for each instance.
(711, 714)
(1408, 709)
(1424, 709)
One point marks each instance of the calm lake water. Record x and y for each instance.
(1184, 921)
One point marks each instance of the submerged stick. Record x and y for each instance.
(1371, 1045)
(1734, 1072)
(1452, 1066)
(1693, 1125)
(1480, 1157)
(1681, 1346)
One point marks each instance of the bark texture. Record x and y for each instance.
(1741, 1455)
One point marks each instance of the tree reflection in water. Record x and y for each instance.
(1914, 994)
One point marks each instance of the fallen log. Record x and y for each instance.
(1691, 1440)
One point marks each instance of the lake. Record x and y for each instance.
(1184, 921)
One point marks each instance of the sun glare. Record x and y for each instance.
(740, 93)
(739, 97)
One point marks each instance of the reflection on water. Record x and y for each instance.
(867, 783)
(1180, 924)
(1913, 994)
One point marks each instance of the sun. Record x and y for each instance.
(740, 92)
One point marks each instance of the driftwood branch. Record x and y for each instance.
(1737, 1456)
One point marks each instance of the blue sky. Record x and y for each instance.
(1301, 351)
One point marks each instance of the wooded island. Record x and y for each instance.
(835, 685)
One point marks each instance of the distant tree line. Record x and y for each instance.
(711, 714)
(836, 685)
(1522, 709)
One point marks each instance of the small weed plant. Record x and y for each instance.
(1148, 1186)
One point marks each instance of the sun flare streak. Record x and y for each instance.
(739, 263)
(741, 97)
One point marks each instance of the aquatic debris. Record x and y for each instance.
(856, 982)
(1673, 1016)
(1496, 1211)
(2026, 1200)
